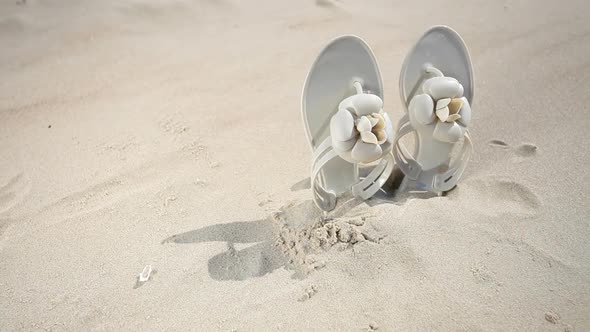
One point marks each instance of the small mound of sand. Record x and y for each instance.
(301, 236)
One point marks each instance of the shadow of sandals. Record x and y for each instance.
(263, 256)
(253, 261)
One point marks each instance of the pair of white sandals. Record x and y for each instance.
(350, 134)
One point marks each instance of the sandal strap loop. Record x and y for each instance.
(324, 199)
(447, 180)
(369, 186)
(404, 160)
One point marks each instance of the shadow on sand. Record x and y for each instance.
(263, 257)
(254, 261)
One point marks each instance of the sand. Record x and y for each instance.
(168, 133)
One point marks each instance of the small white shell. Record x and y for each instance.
(380, 121)
(448, 132)
(422, 108)
(465, 113)
(365, 104)
(341, 146)
(442, 87)
(442, 103)
(369, 137)
(455, 105)
(342, 125)
(373, 120)
(366, 153)
(443, 114)
(381, 136)
(363, 124)
(453, 118)
(388, 129)
(145, 273)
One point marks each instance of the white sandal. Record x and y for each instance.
(436, 87)
(342, 108)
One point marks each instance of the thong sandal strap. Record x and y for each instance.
(448, 180)
(324, 199)
(364, 189)
(413, 170)
(368, 186)
(321, 149)
(404, 160)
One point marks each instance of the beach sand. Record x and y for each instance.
(169, 134)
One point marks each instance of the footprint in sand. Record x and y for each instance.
(498, 143)
(14, 24)
(104, 194)
(526, 150)
(523, 150)
(13, 192)
(324, 3)
(501, 196)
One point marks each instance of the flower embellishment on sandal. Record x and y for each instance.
(443, 105)
(361, 132)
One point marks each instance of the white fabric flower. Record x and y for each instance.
(442, 106)
(361, 132)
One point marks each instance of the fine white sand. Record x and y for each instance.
(168, 133)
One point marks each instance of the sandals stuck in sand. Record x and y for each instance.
(436, 88)
(342, 108)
